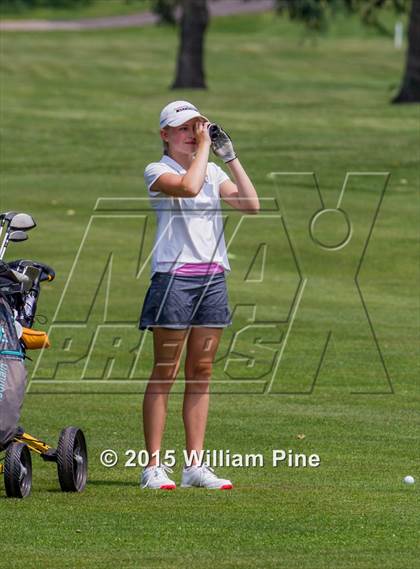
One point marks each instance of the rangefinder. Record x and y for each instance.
(214, 130)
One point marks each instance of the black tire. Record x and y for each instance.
(72, 460)
(17, 471)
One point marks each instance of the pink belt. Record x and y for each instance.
(198, 269)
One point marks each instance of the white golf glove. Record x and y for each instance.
(221, 143)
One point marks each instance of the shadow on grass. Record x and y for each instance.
(97, 483)
(111, 483)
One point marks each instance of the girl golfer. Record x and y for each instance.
(186, 303)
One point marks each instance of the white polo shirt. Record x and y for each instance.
(189, 230)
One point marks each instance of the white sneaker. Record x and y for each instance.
(156, 478)
(205, 477)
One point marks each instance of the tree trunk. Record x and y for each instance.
(190, 68)
(410, 88)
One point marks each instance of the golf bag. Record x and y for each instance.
(12, 375)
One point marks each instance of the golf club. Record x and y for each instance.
(22, 221)
(5, 217)
(19, 221)
(18, 236)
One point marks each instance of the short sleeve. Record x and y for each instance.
(152, 172)
(219, 174)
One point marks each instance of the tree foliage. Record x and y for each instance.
(22, 4)
(165, 9)
(316, 14)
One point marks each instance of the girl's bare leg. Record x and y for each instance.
(202, 346)
(168, 345)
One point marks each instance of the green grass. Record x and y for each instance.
(79, 122)
(95, 9)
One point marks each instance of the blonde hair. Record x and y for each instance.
(165, 144)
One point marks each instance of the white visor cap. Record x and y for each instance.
(178, 112)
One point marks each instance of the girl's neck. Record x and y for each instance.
(183, 160)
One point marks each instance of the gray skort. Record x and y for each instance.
(178, 301)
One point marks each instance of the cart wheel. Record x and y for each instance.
(17, 471)
(72, 460)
